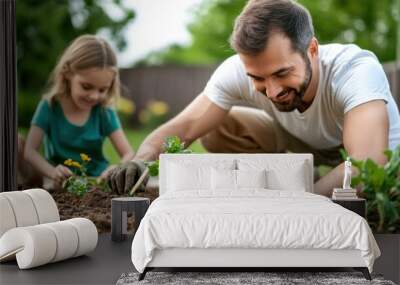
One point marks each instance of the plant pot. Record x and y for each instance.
(388, 263)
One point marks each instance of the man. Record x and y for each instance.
(306, 97)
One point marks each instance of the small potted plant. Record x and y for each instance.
(381, 189)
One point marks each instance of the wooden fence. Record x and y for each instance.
(175, 85)
(178, 85)
(392, 71)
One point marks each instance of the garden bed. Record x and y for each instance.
(95, 206)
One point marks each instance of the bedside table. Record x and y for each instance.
(355, 205)
(120, 207)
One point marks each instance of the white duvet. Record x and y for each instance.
(253, 218)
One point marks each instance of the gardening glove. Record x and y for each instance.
(122, 178)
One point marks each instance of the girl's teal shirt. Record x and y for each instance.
(65, 140)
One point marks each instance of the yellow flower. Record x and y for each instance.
(68, 162)
(158, 108)
(76, 164)
(85, 157)
(125, 106)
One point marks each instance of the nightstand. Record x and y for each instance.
(120, 207)
(355, 205)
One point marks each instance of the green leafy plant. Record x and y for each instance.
(153, 167)
(172, 144)
(80, 183)
(381, 188)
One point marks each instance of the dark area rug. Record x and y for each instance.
(230, 278)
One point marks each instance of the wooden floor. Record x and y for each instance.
(102, 266)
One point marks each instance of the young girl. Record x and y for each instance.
(74, 116)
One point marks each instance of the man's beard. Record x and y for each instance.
(298, 94)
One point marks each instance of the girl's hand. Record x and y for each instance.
(61, 173)
(106, 172)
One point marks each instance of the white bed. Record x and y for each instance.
(247, 210)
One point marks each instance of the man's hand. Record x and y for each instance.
(122, 178)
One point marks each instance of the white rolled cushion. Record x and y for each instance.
(251, 178)
(23, 208)
(7, 218)
(223, 179)
(46, 207)
(87, 235)
(40, 244)
(67, 240)
(33, 246)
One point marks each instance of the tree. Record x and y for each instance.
(210, 30)
(367, 23)
(45, 28)
(370, 24)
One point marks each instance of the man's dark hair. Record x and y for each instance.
(261, 18)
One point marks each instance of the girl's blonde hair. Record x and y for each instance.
(86, 51)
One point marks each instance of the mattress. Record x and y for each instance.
(250, 219)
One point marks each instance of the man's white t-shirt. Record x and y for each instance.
(349, 76)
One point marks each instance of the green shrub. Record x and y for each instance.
(381, 187)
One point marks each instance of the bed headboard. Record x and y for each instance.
(285, 169)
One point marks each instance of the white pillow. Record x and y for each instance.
(183, 177)
(251, 178)
(223, 179)
(187, 174)
(236, 179)
(281, 174)
(295, 181)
